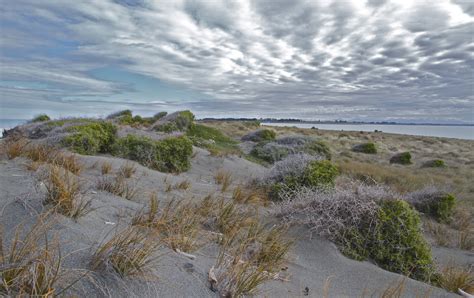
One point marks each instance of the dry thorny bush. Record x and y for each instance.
(31, 265)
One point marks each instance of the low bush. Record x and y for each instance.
(92, 138)
(159, 115)
(279, 149)
(169, 155)
(300, 171)
(365, 221)
(120, 114)
(435, 163)
(433, 202)
(41, 118)
(403, 158)
(398, 244)
(260, 135)
(368, 148)
(178, 121)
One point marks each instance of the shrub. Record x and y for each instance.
(167, 127)
(91, 138)
(365, 221)
(433, 202)
(435, 163)
(41, 118)
(399, 245)
(120, 114)
(159, 115)
(168, 155)
(260, 135)
(368, 148)
(403, 158)
(184, 120)
(288, 175)
(281, 148)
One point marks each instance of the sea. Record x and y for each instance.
(445, 131)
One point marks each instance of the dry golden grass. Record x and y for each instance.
(30, 266)
(63, 192)
(454, 277)
(118, 186)
(223, 178)
(466, 240)
(178, 223)
(47, 154)
(250, 195)
(127, 170)
(106, 168)
(256, 255)
(439, 232)
(129, 252)
(13, 148)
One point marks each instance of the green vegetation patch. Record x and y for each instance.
(435, 163)
(91, 138)
(403, 158)
(271, 152)
(398, 243)
(41, 118)
(367, 148)
(317, 174)
(439, 206)
(261, 135)
(169, 155)
(212, 139)
(179, 121)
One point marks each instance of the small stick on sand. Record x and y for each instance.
(192, 257)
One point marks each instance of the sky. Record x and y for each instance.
(364, 60)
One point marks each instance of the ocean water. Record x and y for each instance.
(446, 131)
(10, 123)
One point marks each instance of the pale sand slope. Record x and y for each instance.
(310, 263)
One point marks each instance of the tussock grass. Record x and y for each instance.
(105, 168)
(127, 170)
(129, 252)
(118, 186)
(30, 265)
(454, 277)
(250, 194)
(64, 193)
(223, 178)
(178, 223)
(14, 147)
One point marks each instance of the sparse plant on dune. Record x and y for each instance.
(128, 252)
(106, 168)
(453, 278)
(433, 202)
(14, 147)
(127, 170)
(223, 178)
(403, 158)
(64, 193)
(30, 265)
(118, 186)
(367, 148)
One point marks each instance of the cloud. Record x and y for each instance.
(305, 58)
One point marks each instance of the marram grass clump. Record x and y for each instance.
(91, 138)
(169, 155)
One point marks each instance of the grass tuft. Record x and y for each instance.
(223, 178)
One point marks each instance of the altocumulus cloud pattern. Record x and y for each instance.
(317, 59)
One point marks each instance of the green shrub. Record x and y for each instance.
(439, 206)
(398, 243)
(184, 120)
(368, 148)
(269, 152)
(159, 115)
(317, 174)
(91, 138)
(120, 114)
(435, 163)
(261, 135)
(403, 158)
(168, 155)
(317, 147)
(212, 139)
(41, 118)
(167, 127)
